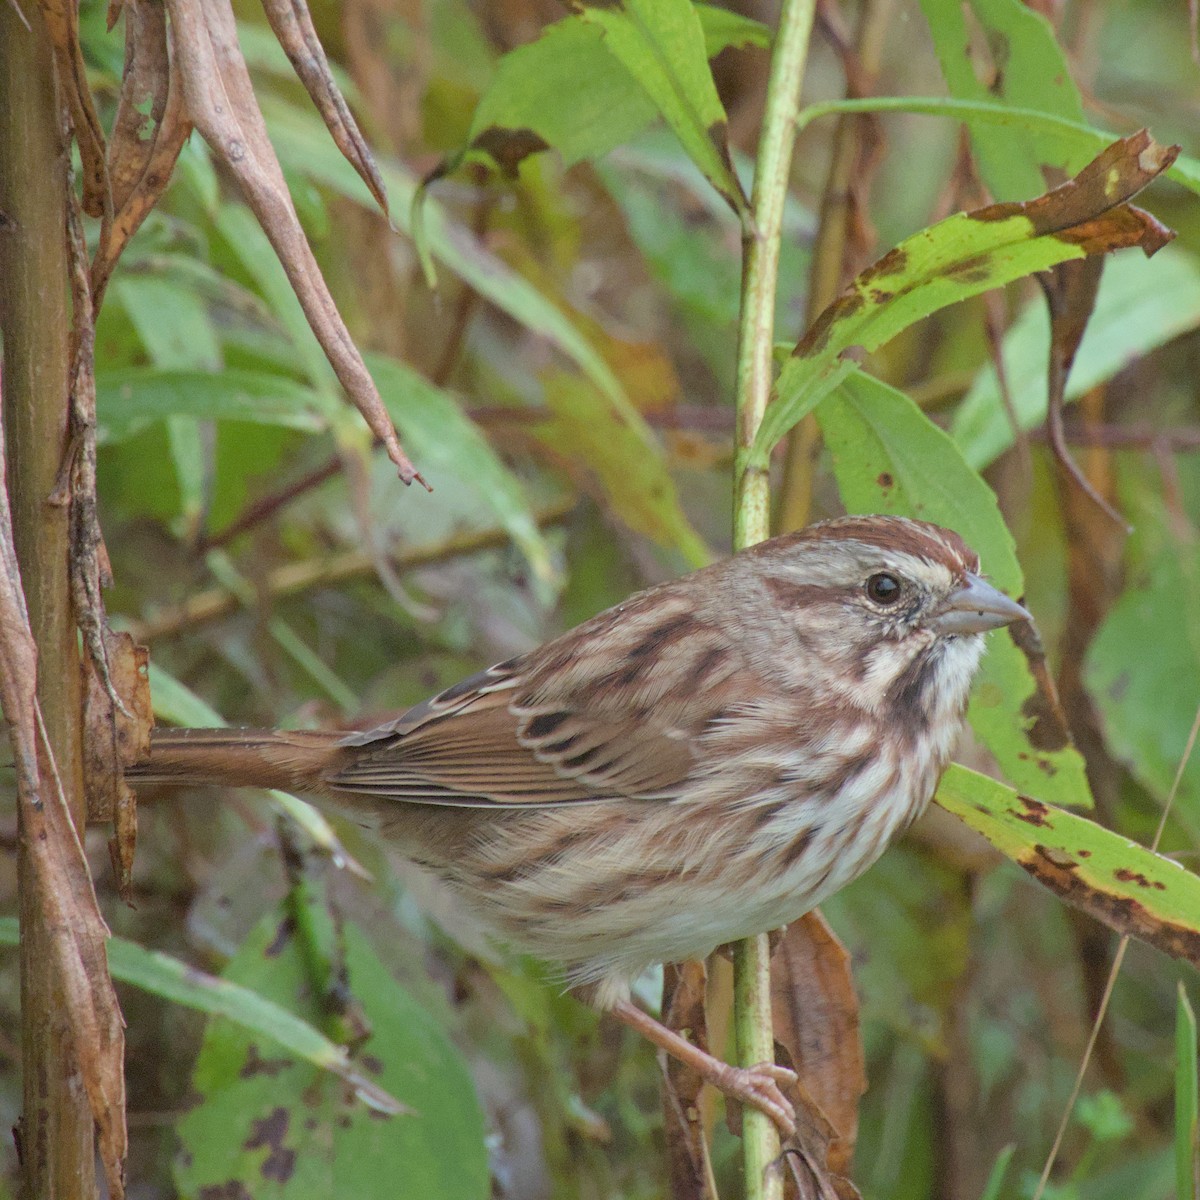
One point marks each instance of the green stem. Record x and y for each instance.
(751, 518)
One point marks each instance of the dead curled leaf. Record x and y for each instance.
(1071, 289)
(73, 928)
(62, 24)
(815, 1016)
(1078, 210)
(117, 715)
(689, 1167)
(149, 131)
(113, 740)
(220, 100)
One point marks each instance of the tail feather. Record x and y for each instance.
(293, 760)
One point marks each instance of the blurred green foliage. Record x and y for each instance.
(567, 391)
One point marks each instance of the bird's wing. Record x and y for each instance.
(611, 709)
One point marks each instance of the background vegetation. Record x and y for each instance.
(567, 391)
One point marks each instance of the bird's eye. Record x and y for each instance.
(884, 588)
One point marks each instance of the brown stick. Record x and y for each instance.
(56, 1140)
(293, 578)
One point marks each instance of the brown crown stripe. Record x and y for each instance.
(918, 538)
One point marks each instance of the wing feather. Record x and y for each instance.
(611, 709)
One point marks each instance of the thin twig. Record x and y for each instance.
(294, 578)
(843, 234)
(267, 506)
(1118, 958)
(751, 517)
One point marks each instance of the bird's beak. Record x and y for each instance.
(975, 608)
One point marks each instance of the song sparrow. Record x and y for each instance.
(706, 761)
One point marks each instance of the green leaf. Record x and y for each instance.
(271, 1127)
(1104, 1116)
(171, 321)
(1141, 305)
(889, 457)
(1076, 137)
(1187, 1099)
(563, 90)
(173, 325)
(633, 474)
(995, 1180)
(1147, 688)
(951, 261)
(1031, 72)
(131, 398)
(245, 237)
(724, 29)
(177, 704)
(1125, 886)
(661, 44)
(445, 439)
(175, 981)
(303, 144)
(567, 91)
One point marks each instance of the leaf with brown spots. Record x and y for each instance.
(290, 1128)
(960, 257)
(1127, 887)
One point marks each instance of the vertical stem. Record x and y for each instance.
(829, 253)
(56, 1129)
(752, 513)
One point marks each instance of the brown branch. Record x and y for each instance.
(295, 578)
(267, 506)
(70, 1026)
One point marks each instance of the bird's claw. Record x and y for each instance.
(759, 1087)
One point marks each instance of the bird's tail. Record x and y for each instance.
(292, 760)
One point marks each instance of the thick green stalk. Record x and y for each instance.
(751, 517)
(56, 1128)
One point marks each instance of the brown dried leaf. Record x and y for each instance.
(75, 930)
(114, 740)
(815, 1014)
(143, 150)
(688, 1165)
(117, 713)
(292, 23)
(1113, 177)
(62, 23)
(220, 100)
(89, 566)
(1070, 289)
(143, 99)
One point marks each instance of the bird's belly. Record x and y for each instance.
(608, 890)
